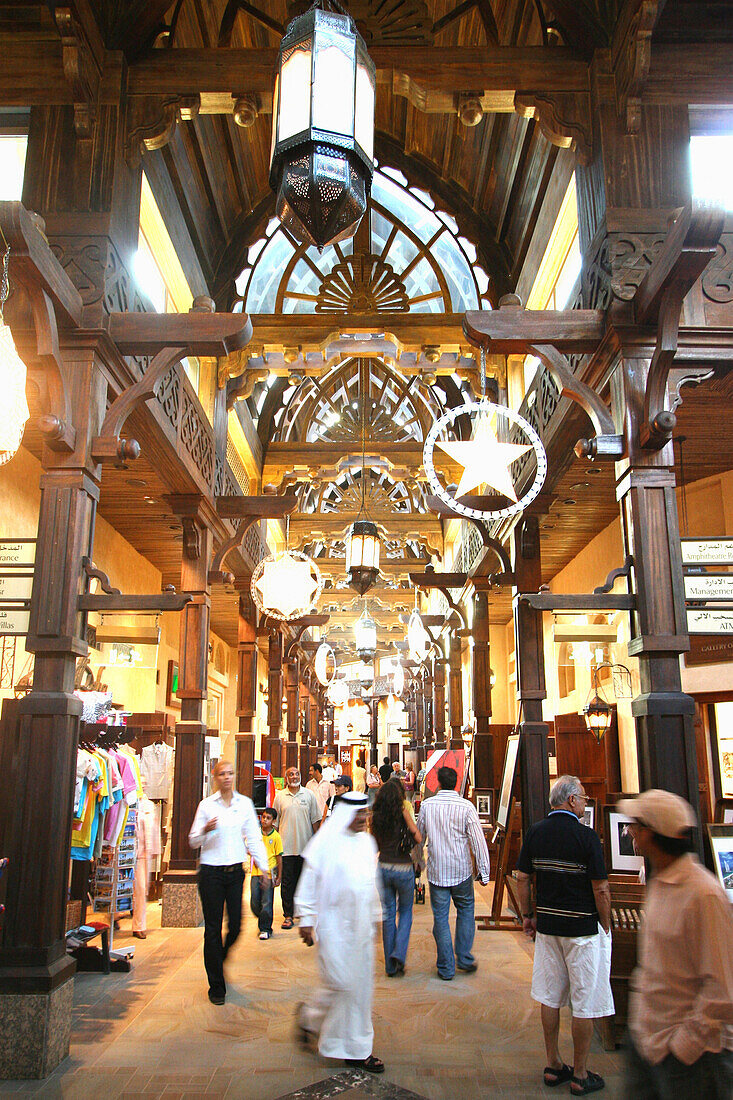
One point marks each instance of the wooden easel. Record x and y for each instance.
(495, 922)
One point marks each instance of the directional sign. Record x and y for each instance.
(707, 551)
(714, 587)
(704, 621)
(14, 620)
(15, 587)
(17, 553)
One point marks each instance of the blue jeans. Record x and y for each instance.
(440, 899)
(261, 897)
(397, 889)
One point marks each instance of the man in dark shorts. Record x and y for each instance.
(571, 928)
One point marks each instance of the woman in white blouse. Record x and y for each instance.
(226, 829)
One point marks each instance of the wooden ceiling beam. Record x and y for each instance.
(443, 69)
(310, 525)
(201, 333)
(312, 330)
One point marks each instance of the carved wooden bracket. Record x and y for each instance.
(191, 538)
(92, 572)
(623, 571)
(444, 582)
(108, 446)
(563, 117)
(152, 121)
(631, 54)
(690, 246)
(606, 444)
(80, 69)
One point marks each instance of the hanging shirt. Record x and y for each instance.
(156, 768)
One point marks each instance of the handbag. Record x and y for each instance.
(405, 844)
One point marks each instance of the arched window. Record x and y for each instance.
(408, 257)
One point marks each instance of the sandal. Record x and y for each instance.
(559, 1076)
(593, 1082)
(287, 923)
(370, 1064)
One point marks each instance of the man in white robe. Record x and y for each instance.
(338, 905)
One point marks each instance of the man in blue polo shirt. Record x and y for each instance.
(571, 928)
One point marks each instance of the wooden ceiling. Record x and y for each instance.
(491, 177)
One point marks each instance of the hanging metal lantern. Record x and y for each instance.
(322, 154)
(365, 636)
(598, 715)
(362, 555)
(325, 664)
(418, 640)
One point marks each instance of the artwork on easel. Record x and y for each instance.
(507, 779)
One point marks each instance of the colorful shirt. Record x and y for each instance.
(273, 847)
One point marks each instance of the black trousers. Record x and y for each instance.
(709, 1078)
(219, 886)
(292, 866)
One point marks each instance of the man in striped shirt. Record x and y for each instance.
(453, 832)
(571, 929)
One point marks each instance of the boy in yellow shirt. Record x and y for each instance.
(262, 894)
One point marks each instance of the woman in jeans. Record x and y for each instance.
(394, 830)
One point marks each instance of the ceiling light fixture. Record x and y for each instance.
(322, 152)
(362, 544)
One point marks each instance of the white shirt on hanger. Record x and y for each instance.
(156, 767)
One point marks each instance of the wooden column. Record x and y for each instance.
(625, 198)
(38, 742)
(374, 734)
(439, 664)
(455, 683)
(646, 492)
(483, 747)
(246, 704)
(181, 907)
(529, 642)
(428, 710)
(274, 750)
(292, 715)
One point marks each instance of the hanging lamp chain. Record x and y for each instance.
(482, 368)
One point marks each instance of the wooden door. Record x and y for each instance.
(578, 753)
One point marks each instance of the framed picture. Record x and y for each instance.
(482, 801)
(724, 811)
(589, 814)
(507, 779)
(619, 845)
(171, 686)
(721, 845)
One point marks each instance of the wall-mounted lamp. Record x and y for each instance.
(598, 712)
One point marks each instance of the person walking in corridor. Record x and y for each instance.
(453, 832)
(681, 999)
(299, 818)
(225, 828)
(395, 832)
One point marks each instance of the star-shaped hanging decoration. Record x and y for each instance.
(287, 586)
(485, 460)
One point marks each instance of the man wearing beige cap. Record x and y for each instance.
(681, 1001)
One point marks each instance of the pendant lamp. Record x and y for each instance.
(362, 544)
(365, 635)
(322, 152)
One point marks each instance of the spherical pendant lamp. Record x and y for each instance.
(365, 636)
(322, 153)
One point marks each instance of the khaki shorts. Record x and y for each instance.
(576, 971)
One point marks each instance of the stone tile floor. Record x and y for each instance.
(153, 1033)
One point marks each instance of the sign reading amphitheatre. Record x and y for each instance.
(707, 551)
